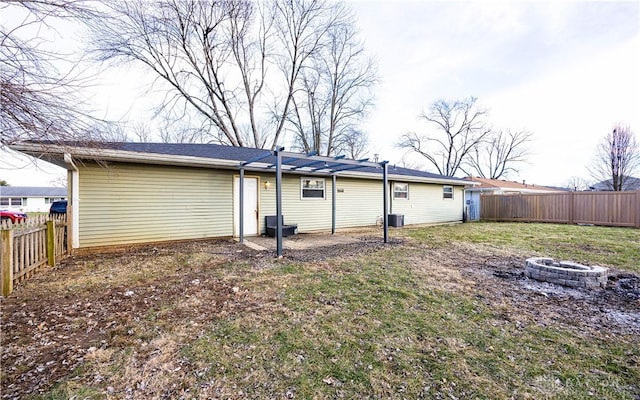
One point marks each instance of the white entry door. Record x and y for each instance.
(250, 206)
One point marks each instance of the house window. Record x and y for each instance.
(18, 201)
(50, 200)
(312, 188)
(447, 192)
(400, 190)
(4, 201)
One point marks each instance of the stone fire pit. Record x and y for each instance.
(566, 273)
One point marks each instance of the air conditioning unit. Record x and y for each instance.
(396, 220)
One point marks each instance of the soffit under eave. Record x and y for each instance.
(55, 155)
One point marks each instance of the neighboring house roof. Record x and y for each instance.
(205, 155)
(560, 188)
(32, 191)
(498, 185)
(631, 183)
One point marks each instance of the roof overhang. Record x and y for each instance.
(511, 190)
(481, 189)
(58, 154)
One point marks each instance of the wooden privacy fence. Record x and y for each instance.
(28, 246)
(596, 208)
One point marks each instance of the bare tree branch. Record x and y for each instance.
(617, 158)
(353, 144)
(195, 48)
(234, 66)
(577, 183)
(40, 89)
(460, 127)
(301, 27)
(498, 155)
(335, 92)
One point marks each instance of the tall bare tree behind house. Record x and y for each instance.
(457, 128)
(617, 158)
(41, 89)
(461, 140)
(232, 68)
(498, 155)
(335, 93)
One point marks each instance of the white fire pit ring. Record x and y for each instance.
(566, 273)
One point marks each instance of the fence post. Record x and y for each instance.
(571, 208)
(51, 242)
(637, 208)
(7, 261)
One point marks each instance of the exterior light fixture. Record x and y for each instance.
(267, 185)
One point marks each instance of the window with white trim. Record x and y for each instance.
(50, 200)
(447, 192)
(312, 188)
(13, 201)
(400, 190)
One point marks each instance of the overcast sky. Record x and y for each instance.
(565, 71)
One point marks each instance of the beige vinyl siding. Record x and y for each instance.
(137, 203)
(359, 202)
(309, 214)
(134, 203)
(425, 204)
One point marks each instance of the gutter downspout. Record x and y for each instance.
(73, 193)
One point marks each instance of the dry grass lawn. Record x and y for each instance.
(441, 312)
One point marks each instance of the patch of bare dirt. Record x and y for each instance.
(136, 308)
(363, 245)
(501, 283)
(49, 331)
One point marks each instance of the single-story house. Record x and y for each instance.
(30, 198)
(124, 193)
(495, 186)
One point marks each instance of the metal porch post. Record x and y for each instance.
(333, 204)
(385, 205)
(279, 201)
(241, 201)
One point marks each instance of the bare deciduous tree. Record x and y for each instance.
(498, 155)
(617, 157)
(177, 132)
(460, 127)
(232, 67)
(335, 93)
(115, 133)
(407, 162)
(353, 144)
(142, 132)
(577, 183)
(39, 87)
(189, 46)
(301, 26)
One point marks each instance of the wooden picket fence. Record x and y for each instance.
(29, 246)
(594, 208)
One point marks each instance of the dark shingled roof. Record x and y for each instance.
(192, 149)
(239, 154)
(231, 153)
(32, 191)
